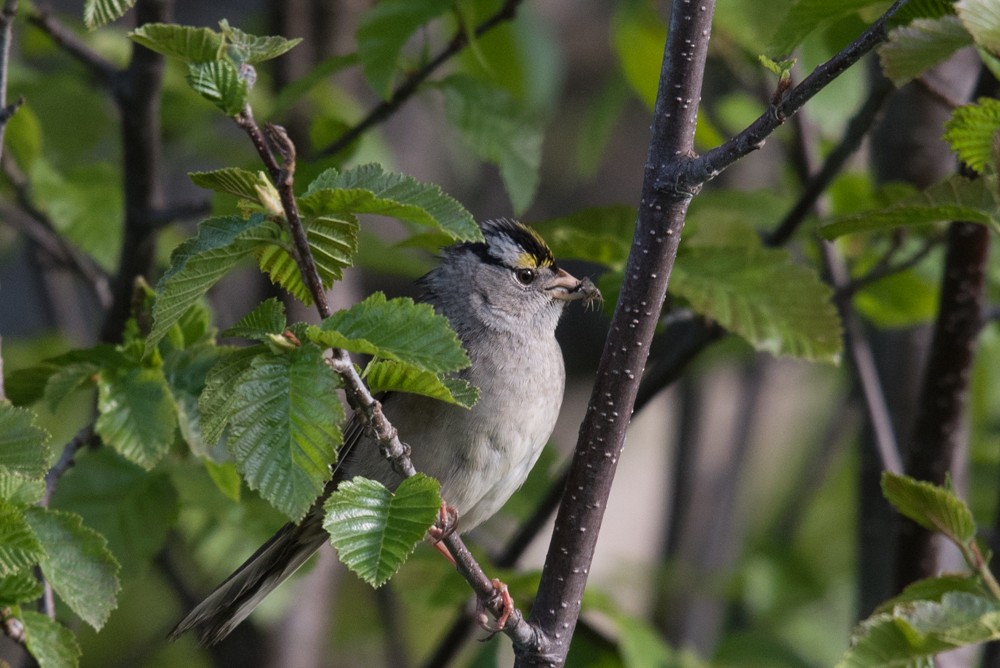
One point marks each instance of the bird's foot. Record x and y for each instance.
(508, 607)
(445, 525)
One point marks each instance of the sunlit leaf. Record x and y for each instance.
(19, 546)
(19, 587)
(982, 19)
(99, 12)
(266, 319)
(932, 507)
(252, 49)
(235, 181)
(972, 133)
(50, 643)
(391, 376)
(220, 83)
(192, 45)
(24, 446)
(137, 415)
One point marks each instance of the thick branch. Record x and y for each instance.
(409, 86)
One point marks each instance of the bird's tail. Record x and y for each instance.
(233, 600)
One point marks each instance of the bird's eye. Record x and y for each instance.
(525, 276)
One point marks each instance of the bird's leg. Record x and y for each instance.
(508, 607)
(446, 524)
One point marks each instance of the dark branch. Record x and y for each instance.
(106, 72)
(407, 88)
(7, 14)
(85, 437)
(885, 268)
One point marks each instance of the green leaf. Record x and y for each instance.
(192, 45)
(914, 48)
(217, 399)
(759, 293)
(390, 376)
(20, 490)
(268, 318)
(958, 198)
(23, 137)
(77, 563)
(385, 29)
(19, 546)
(333, 242)
(220, 83)
(287, 455)
(601, 234)
(396, 329)
(52, 644)
(499, 129)
(134, 510)
(197, 264)
(319, 74)
(368, 189)
(982, 19)
(252, 49)
(137, 415)
(24, 446)
(99, 12)
(375, 530)
(638, 34)
(972, 133)
(253, 186)
(19, 587)
(807, 16)
(934, 589)
(932, 507)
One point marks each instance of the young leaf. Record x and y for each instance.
(958, 198)
(497, 128)
(137, 414)
(252, 49)
(19, 587)
(982, 19)
(759, 293)
(240, 182)
(932, 507)
(396, 329)
(23, 445)
(99, 12)
(268, 318)
(192, 45)
(77, 563)
(375, 530)
(390, 376)
(197, 264)
(367, 189)
(384, 30)
(287, 456)
(914, 48)
(972, 132)
(50, 643)
(220, 83)
(19, 546)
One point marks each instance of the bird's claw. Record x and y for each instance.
(508, 607)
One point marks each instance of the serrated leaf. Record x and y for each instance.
(390, 376)
(368, 189)
(287, 456)
(268, 318)
(24, 446)
(384, 30)
(252, 49)
(220, 83)
(192, 45)
(19, 546)
(958, 198)
(499, 129)
(216, 401)
(235, 181)
(197, 264)
(397, 329)
(20, 490)
(19, 587)
(916, 47)
(932, 507)
(52, 644)
(972, 133)
(100, 12)
(137, 415)
(134, 510)
(934, 589)
(759, 293)
(333, 242)
(982, 19)
(77, 563)
(375, 530)
(807, 16)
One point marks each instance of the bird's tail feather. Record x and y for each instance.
(233, 600)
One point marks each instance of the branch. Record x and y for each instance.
(409, 86)
(83, 438)
(884, 269)
(7, 14)
(106, 72)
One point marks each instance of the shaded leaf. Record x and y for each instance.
(914, 48)
(807, 16)
(252, 49)
(220, 83)
(601, 234)
(368, 189)
(19, 587)
(375, 530)
(77, 563)
(934, 589)
(253, 186)
(137, 415)
(217, 399)
(932, 507)
(390, 376)
(268, 318)
(52, 644)
(99, 12)
(192, 45)
(982, 19)
(972, 133)
(19, 546)
(397, 329)
(958, 198)
(24, 446)
(638, 34)
(287, 455)
(498, 129)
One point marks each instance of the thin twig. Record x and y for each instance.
(7, 14)
(885, 269)
(409, 86)
(100, 67)
(67, 459)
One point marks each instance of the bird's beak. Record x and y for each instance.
(564, 286)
